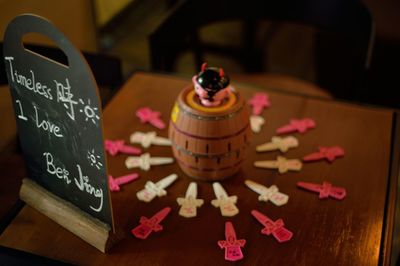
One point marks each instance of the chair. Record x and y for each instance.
(343, 42)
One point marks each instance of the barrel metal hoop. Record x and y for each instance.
(205, 155)
(211, 138)
(210, 169)
(209, 118)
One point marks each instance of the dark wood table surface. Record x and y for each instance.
(355, 231)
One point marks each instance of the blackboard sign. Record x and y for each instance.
(59, 120)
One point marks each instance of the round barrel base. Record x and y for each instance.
(209, 176)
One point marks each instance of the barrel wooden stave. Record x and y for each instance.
(210, 146)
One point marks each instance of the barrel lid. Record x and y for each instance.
(190, 102)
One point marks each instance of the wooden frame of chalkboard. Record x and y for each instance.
(58, 114)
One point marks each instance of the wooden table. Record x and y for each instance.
(355, 231)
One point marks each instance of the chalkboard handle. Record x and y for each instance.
(30, 23)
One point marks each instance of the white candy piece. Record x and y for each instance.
(144, 161)
(190, 203)
(151, 190)
(256, 123)
(282, 164)
(279, 143)
(224, 202)
(148, 139)
(268, 194)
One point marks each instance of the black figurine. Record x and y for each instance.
(211, 85)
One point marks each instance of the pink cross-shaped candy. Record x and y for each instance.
(297, 125)
(325, 190)
(113, 147)
(328, 153)
(115, 183)
(232, 245)
(277, 228)
(259, 101)
(149, 225)
(146, 115)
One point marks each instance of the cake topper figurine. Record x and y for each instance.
(211, 85)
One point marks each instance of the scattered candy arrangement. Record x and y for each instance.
(258, 102)
(118, 146)
(256, 122)
(189, 204)
(325, 190)
(144, 161)
(278, 143)
(147, 115)
(328, 153)
(276, 228)
(152, 190)
(148, 139)
(297, 125)
(281, 164)
(149, 225)
(115, 183)
(232, 246)
(268, 194)
(227, 204)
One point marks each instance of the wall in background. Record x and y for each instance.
(74, 18)
(107, 9)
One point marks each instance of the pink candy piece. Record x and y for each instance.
(115, 183)
(113, 147)
(301, 126)
(276, 228)
(259, 101)
(325, 190)
(147, 225)
(146, 115)
(232, 246)
(328, 153)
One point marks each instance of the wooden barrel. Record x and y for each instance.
(209, 143)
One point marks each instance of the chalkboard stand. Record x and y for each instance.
(91, 230)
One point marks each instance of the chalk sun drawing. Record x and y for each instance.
(94, 159)
(89, 111)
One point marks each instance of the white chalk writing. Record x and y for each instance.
(62, 89)
(89, 111)
(21, 115)
(82, 181)
(94, 159)
(64, 95)
(83, 184)
(53, 100)
(29, 83)
(47, 125)
(60, 172)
